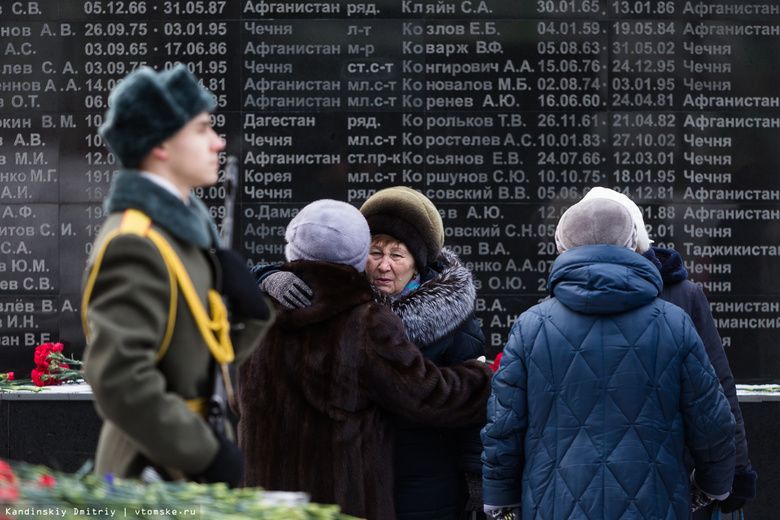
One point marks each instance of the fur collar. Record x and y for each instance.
(441, 304)
(336, 287)
(191, 223)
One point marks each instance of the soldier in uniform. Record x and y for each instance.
(154, 288)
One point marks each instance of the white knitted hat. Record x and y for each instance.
(642, 239)
(595, 222)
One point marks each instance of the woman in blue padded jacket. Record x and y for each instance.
(691, 298)
(601, 387)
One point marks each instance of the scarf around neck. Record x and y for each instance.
(413, 284)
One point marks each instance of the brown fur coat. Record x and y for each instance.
(318, 397)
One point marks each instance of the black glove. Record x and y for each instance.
(742, 490)
(287, 289)
(474, 484)
(239, 287)
(731, 504)
(227, 466)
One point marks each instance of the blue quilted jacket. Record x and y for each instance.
(600, 388)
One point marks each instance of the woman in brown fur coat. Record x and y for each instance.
(318, 397)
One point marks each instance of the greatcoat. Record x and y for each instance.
(142, 399)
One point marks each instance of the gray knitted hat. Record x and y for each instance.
(409, 216)
(148, 107)
(593, 222)
(329, 231)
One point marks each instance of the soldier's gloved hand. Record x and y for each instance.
(227, 466)
(287, 289)
(238, 286)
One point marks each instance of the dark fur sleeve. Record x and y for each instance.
(403, 382)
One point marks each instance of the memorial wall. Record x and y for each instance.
(503, 112)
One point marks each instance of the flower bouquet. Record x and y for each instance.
(9, 383)
(29, 492)
(52, 367)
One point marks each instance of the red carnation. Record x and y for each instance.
(51, 367)
(9, 485)
(47, 480)
(496, 361)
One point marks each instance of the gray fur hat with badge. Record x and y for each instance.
(410, 217)
(148, 107)
(596, 221)
(329, 231)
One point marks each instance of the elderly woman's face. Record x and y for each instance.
(390, 265)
